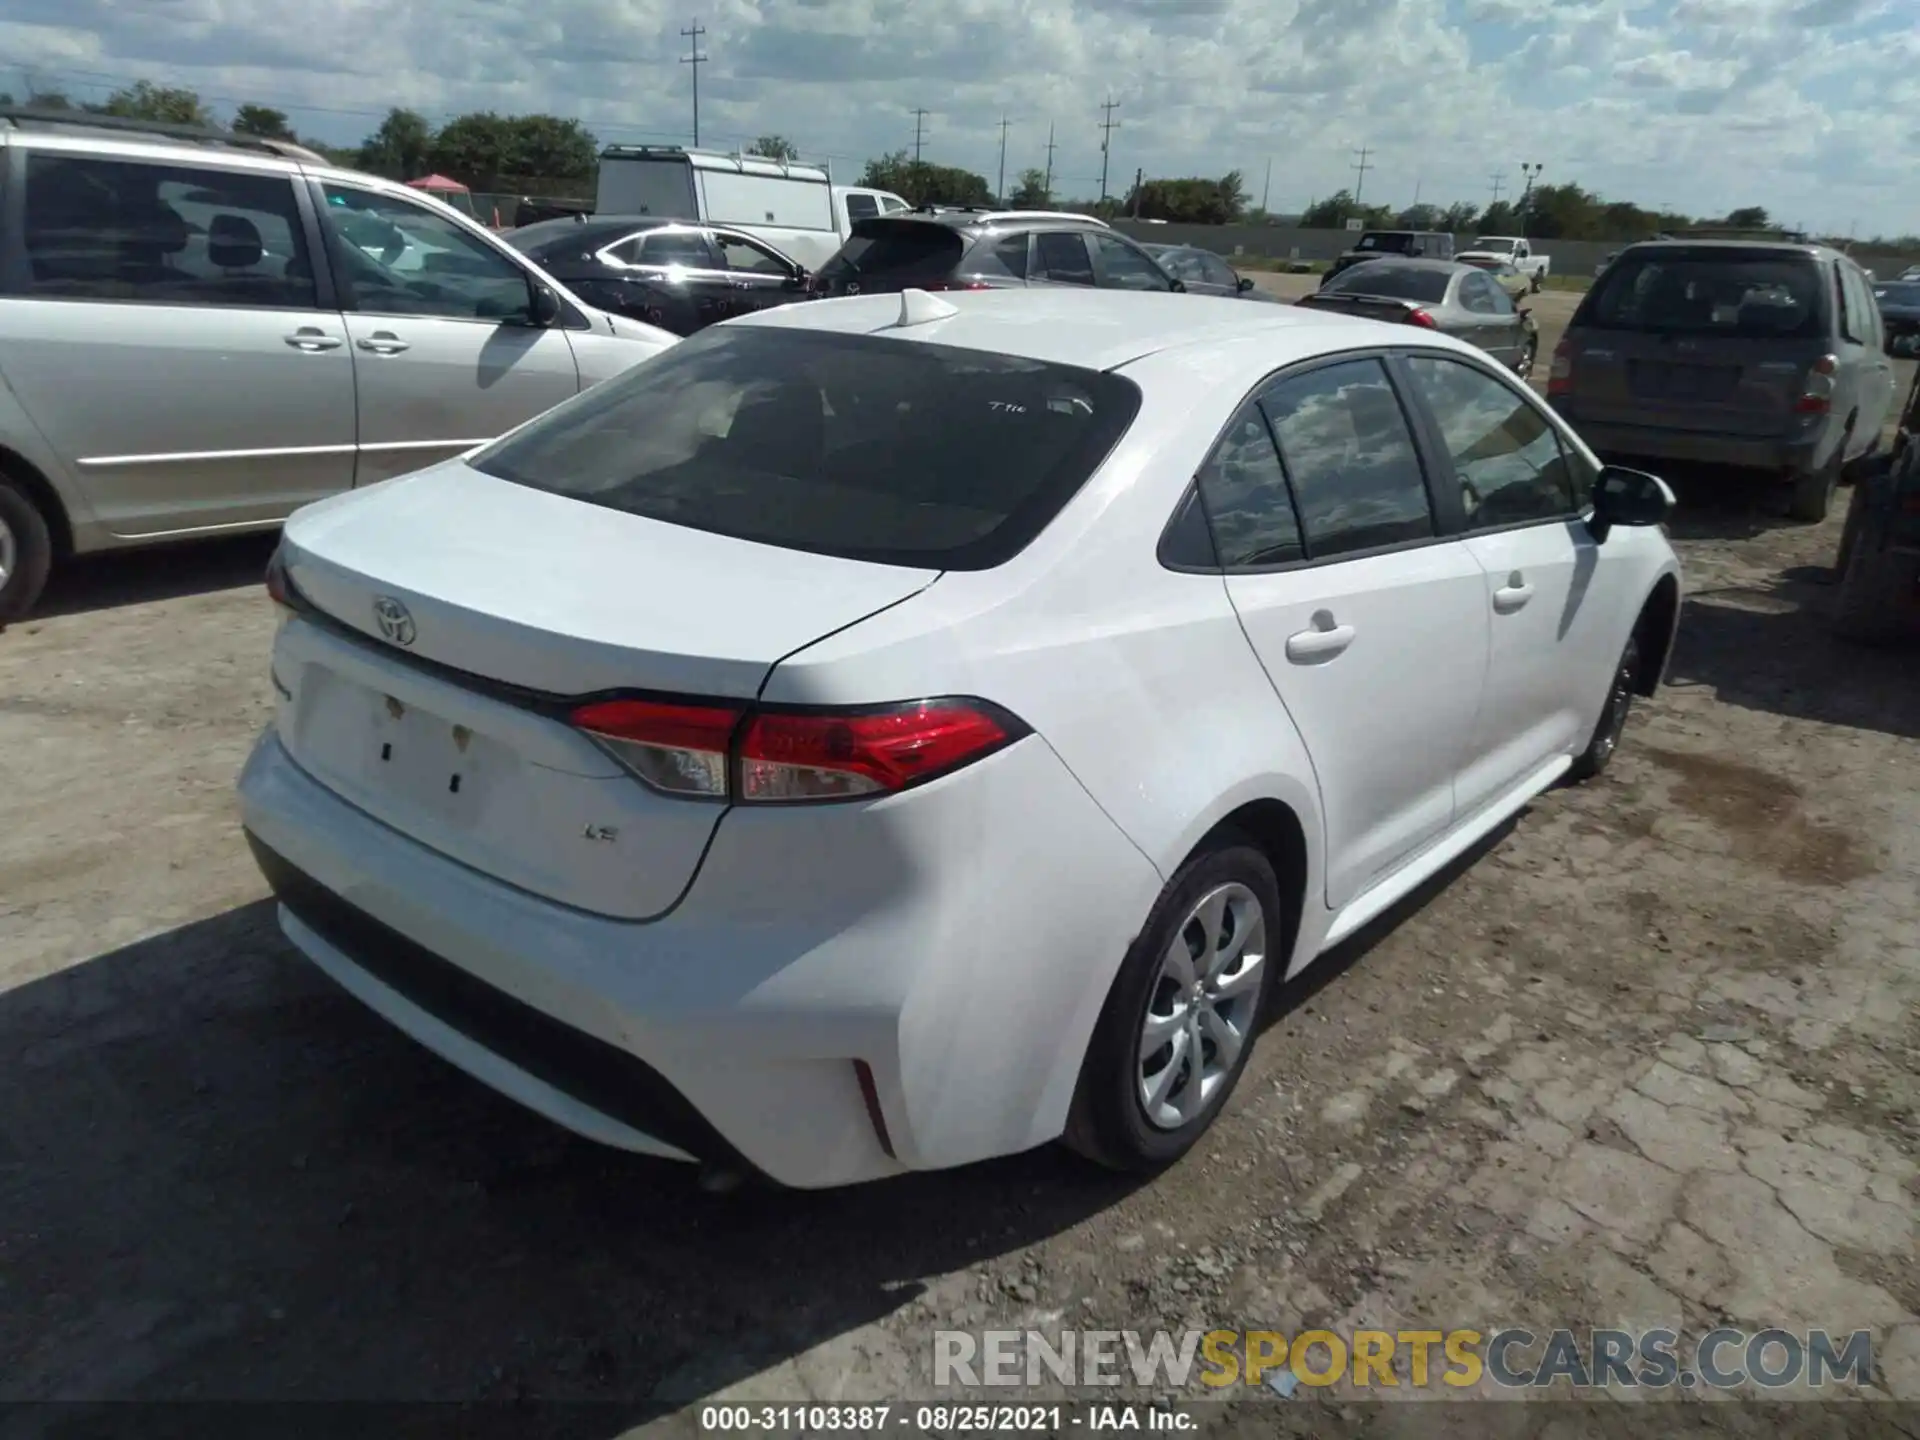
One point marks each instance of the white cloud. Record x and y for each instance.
(1804, 106)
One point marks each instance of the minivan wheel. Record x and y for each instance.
(1812, 495)
(26, 551)
(1613, 716)
(1179, 1023)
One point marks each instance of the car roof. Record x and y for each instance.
(1090, 328)
(1783, 247)
(958, 218)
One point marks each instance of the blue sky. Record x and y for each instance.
(1809, 107)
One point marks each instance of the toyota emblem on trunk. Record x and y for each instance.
(394, 619)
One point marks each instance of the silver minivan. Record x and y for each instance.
(198, 336)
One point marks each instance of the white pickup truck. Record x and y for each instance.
(1507, 250)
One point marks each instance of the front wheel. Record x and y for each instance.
(1178, 1025)
(1534, 282)
(1613, 716)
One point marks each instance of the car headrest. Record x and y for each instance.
(233, 242)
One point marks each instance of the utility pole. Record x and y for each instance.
(1266, 186)
(1139, 179)
(1360, 174)
(919, 133)
(1499, 178)
(1051, 147)
(1001, 193)
(696, 59)
(1107, 126)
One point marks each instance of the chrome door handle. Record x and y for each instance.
(312, 340)
(1324, 641)
(383, 342)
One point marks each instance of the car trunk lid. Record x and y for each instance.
(456, 618)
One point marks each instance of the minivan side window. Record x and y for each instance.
(1506, 453)
(1247, 501)
(163, 234)
(394, 257)
(1356, 475)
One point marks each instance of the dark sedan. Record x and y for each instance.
(1900, 314)
(675, 274)
(1442, 295)
(1205, 273)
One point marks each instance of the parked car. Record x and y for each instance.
(1402, 244)
(1511, 250)
(956, 249)
(1205, 273)
(1764, 355)
(1878, 567)
(919, 727)
(795, 208)
(1899, 302)
(1912, 272)
(200, 335)
(1440, 295)
(679, 276)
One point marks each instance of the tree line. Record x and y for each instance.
(557, 156)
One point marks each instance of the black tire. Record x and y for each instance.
(1533, 283)
(1109, 1123)
(1812, 495)
(1605, 740)
(1876, 601)
(26, 551)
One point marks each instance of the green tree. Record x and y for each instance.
(1750, 217)
(263, 121)
(775, 147)
(547, 147)
(1421, 217)
(1192, 201)
(1460, 217)
(1337, 209)
(921, 183)
(143, 100)
(1031, 192)
(399, 148)
(1499, 218)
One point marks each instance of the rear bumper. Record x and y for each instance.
(727, 1031)
(1793, 456)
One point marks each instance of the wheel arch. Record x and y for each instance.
(29, 477)
(1656, 627)
(1278, 833)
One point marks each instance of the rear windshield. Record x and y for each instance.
(1398, 242)
(898, 252)
(895, 451)
(1393, 282)
(1756, 295)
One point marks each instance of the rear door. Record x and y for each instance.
(445, 354)
(1371, 623)
(1717, 341)
(1497, 321)
(163, 325)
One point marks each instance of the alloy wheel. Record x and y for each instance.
(1201, 1010)
(1619, 702)
(9, 553)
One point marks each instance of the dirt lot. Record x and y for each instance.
(1651, 1057)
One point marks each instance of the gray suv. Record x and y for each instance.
(1769, 356)
(954, 248)
(199, 334)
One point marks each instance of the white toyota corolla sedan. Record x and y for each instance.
(883, 733)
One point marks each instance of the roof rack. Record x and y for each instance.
(989, 214)
(29, 118)
(738, 157)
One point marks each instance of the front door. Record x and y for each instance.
(760, 278)
(444, 351)
(165, 332)
(1555, 613)
(1371, 627)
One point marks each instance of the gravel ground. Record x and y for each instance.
(1649, 1057)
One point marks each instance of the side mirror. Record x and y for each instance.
(1628, 497)
(1245, 282)
(543, 306)
(799, 279)
(1177, 287)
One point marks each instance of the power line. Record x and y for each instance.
(696, 59)
(1107, 126)
(1360, 174)
(1499, 178)
(919, 132)
(1002, 191)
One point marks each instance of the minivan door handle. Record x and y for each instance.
(383, 342)
(1324, 641)
(313, 339)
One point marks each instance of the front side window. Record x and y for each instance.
(904, 453)
(742, 255)
(1508, 457)
(1356, 475)
(1125, 268)
(1218, 272)
(394, 257)
(1246, 497)
(163, 234)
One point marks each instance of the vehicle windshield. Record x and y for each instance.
(1756, 295)
(1899, 293)
(1392, 282)
(900, 452)
(1398, 241)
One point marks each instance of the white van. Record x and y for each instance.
(796, 208)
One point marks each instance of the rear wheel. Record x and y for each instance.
(1812, 495)
(26, 551)
(1179, 1023)
(1613, 716)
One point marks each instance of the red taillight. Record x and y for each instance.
(1816, 398)
(1560, 377)
(701, 751)
(680, 749)
(279, 588)
(1423, 320)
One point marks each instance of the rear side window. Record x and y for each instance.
(1392, 282)
(1010, 255)
(862, 207)
(164, 234)
(1357, 480)
(685, 248)
(1245, 494)
(894, 451)
(896, 252)
(1753, 294)
(1061, 256)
